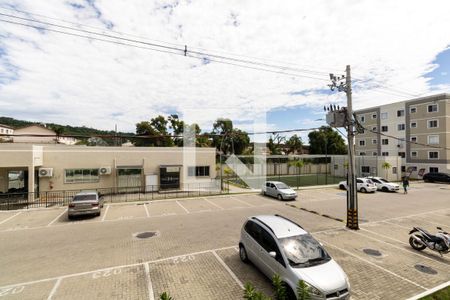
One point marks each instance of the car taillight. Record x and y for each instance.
(94, 204)
(71, 205)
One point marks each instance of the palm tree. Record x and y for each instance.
(386, 166)
(299, 165)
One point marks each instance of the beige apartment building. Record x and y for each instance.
(46, 168)
(416, 130)
(5, 132)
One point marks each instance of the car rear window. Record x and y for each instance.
(84, 197)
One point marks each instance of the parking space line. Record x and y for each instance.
(400, 248)
(408, 216)
(151, 295)
(55, 287)
(398, 225)
(59, 216)
(146, 210)
(104, 214)
(373, 264)
(115, 267)
(212, 203)
(7, 219)
(239, 200)
(436, 224)
(185, 209)
(430, 291)
(228, 269)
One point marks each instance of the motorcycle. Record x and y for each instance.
(420, 239)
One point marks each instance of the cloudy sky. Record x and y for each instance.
(397, 50)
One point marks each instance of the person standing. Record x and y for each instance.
(405, 183)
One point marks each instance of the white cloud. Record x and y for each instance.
(76, 81)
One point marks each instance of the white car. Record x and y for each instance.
(277, 245)
(364, 185)
(384, 185)
(278, 190)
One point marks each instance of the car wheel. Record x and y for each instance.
(243, 254)
(385, 189)
(264, 193)
(280, 197)
(70, 217)
(363, 190)
(342, 187)
(98, 214)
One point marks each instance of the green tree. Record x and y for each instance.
(274, 144)
(386, 166)
(165, 296)
(294, 144)
(303, 291)
(280, 287)
(157, 132)
(297, 163)
(326, 141)
(229, 139)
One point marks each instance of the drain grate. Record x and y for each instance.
(372, 252)
(425, 269)
(146, 234)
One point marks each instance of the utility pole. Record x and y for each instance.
(343, 117)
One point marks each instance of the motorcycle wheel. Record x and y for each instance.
(415, 244)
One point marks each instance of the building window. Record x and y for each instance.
(413, 153)
(400, 113)
(374, 153)
(433, 139)
(401, 127)
(413, 124)
(384, 115)
(403, 168)
(365, 169)
(384, 153)
(362, 153)
(414, 139)
(434, 170)
(362, 143)
(385, 141)
(81, 175)
(413, 109)
(384, 128)
(374, 116)
(432, 108)
(374, 128)
(1, 130)
(433, 154)
(402, 154)
(374, 141)
(200, 171)
(394, 170)
(362, 118)
(433, 124)
(336, 167)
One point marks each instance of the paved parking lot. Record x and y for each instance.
(191, 248)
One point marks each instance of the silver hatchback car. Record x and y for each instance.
(277, 245)
(278, 190)
(85, 203)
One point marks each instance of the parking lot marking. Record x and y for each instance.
(430, 291)
(434, 223)
(146, 210)
(373, 264)
(212, 203)
(7, 219)
(55, 287)
(151, 295)
(239, 200)
(182, 207)
(59, 216)
(398, 225)
(228, 269)
(408, 216)
(115, 267)
(400, 248)
(104, 214)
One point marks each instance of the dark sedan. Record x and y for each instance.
(436, 177)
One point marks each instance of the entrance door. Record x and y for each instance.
(169, 177)
(129, 179)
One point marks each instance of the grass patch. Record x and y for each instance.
(295, 180)
(443, 294)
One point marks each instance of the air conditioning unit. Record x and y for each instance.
(45, 172)
(105, 170)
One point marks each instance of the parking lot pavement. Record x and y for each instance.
(124, 212)
(30, 219)
(193, 252)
